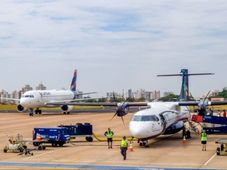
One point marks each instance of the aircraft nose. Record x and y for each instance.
(24, 102)
(138, 130)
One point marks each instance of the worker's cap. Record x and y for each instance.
(124, 137)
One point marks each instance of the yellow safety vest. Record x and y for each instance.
(109, 134)
(203, 136)
(124, 143)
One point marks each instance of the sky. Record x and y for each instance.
(113, 44)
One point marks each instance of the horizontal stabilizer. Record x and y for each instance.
(166, 75)
(200, 74)
(191, 74)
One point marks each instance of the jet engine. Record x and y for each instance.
(174, 128)
(66, 108)
(20, 108)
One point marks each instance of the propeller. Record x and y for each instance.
(203, 105)
(121, 111)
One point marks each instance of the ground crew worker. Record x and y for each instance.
(203, 140)
(124, 147)
(109, 134)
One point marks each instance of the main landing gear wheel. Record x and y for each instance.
(66, 113)
(37, 111)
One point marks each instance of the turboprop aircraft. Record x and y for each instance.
(35, 99)
(160, 118)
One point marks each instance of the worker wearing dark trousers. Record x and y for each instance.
(124, 147)
(203, 140)
(109, 134)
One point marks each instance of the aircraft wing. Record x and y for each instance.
(68, 102)
(189, 103)
(114, 104)
(79, 103)
(196, 103)
(78, 94)
(9, 99)
(137, 104)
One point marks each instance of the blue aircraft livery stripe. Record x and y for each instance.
(87, 166)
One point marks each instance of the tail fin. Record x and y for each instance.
(73, 83)
(184, 93)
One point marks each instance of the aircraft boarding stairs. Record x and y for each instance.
(212, 124)
(195, 126)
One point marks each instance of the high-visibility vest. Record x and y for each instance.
(124, 143)
(203, 136)
(109, 134)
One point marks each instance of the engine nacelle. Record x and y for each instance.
(122, 109)
(174, 128)
(66, 108)
(20, 108)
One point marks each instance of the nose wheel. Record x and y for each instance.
(144, 143)
(30, 112)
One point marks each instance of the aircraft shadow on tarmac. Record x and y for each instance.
(176, 140)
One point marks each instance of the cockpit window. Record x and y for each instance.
(145, 118)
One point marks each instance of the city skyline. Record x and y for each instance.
(114, 45)
(148, 94)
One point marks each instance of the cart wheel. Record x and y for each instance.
(60, 144)
(218, 151)
(40, 147)
(5, 150)
(89, 139)
(44, 147)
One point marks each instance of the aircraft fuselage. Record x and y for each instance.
(160, 118)
(39, 98)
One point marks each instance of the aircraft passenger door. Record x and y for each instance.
(157, 125)
(163, 121)
(40, 98)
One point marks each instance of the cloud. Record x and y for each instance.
(127, 42)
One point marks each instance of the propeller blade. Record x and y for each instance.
(113, 116)
(123, 121)
(207, 96)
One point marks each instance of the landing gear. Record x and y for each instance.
(30, 112)
(38, 111)
(144, 143)
(66, 113)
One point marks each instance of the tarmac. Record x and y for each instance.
(165, 152)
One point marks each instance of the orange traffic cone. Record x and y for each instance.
(184, 140)
(130, 149)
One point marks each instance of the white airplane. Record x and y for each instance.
(160, 118)
(35, 99)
